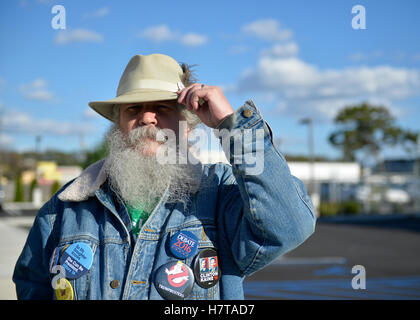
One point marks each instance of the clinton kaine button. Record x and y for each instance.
(77, 260)
(174, 280)
(184, 244)
(206, 268)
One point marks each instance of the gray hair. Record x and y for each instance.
(188, 78)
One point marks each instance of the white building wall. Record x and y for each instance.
(338, 172)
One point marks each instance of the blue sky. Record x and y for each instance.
(295, 59)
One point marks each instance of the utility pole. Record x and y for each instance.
(38, 139)
(309, 122)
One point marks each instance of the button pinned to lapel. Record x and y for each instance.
(206, 268)
(77, 260)
(174, 280)
(64, 290)
(184, 244)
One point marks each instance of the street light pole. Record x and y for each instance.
(309, 122)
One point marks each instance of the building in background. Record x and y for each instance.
(39, 183)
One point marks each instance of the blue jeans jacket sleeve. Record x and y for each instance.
(262, 215)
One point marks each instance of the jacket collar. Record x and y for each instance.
(85, 185)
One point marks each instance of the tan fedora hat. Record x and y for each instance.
(154, 77)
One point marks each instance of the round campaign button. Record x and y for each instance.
(54, 258)
(64, 248)
(64, 290)
(77, 260)
(206, 268)
(184, 244)
(174, 280)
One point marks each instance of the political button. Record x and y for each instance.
(206, 268)
(54, 258)
(174, 280)
(64, 248)
(184, 244)
(77, 260)
(64, 290)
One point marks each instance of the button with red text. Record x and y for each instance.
(184, 244)
(206, 268)
(174, 280)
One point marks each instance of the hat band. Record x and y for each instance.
(151, 84)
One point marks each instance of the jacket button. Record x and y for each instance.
(247, 113)
(115, 284)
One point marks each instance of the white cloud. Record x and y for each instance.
(268, 30)
(161, 33)
(6, 140)
(282, 50)
(15, 121)
(308, 89)
(99, 13)
(36, 90)
(77, 35)
(193, 39)
(295, 87)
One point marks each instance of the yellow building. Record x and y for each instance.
(47, 172)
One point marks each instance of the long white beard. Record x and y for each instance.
(140, 179)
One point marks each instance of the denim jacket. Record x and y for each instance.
(249, 219)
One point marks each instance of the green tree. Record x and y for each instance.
(367, 129)
(19, 196)
(55, 187)
(99, 152)
(32, 187)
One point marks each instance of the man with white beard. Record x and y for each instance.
(130, 227)
(132, 161)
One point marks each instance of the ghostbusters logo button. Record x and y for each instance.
(184, 244)
(174, 280)
(64, 290)
(206, 268)
(77, 260)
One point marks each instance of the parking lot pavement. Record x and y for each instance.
(321, 268)
(13, 233)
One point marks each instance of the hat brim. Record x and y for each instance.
(105, 108)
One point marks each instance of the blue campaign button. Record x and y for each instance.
(77, 260)
(184, 244)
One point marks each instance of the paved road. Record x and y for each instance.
(387, 247)
(13, 233)
(321, 268)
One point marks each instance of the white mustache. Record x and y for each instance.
(138, 135)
